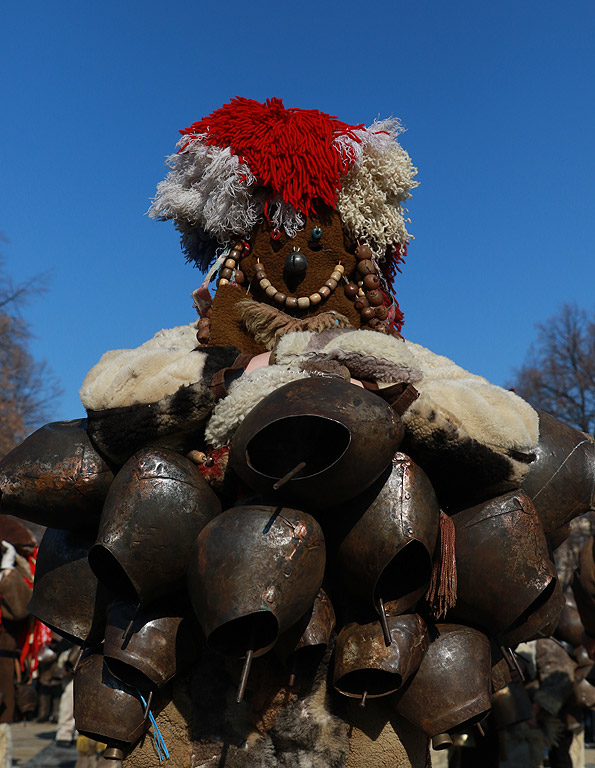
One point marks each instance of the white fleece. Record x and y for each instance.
(157, 368)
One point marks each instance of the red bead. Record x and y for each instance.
(275, 234)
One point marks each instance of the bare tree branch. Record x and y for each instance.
(558, 375)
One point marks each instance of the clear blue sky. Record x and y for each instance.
(499, 104)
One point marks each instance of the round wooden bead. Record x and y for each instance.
(381, 312)
(361, 303)
(315, 298)
(336, 275)
(271, 291)
(375, 298)
(325, 291)
(279, 298)
(291, 302)
(303, 302)
(374, 323)
(332, 283)
(363, 252)
(240, 277)
(230, 263)
(264, 283)
(351, 290)
(227, 273)
(366, 267)
(222, 281)
(204, 322)
(371, 282)
(367, 313)
(340, 268)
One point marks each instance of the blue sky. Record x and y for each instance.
(498, 101)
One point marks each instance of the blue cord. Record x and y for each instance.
(158, 741)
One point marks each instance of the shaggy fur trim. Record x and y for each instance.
(157, 368)
(268, 324)
(366, 355)
(244, 394)
(171, 421)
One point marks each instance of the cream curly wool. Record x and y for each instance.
(371, 199)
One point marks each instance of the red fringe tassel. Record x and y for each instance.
(442, 592)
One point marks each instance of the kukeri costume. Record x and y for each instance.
(293, 482)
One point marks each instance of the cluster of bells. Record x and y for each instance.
(334, 541)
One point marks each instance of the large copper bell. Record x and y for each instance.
(55, 477)
(367, 668)
(570, 627)
(451, 689)
(507, 583)
(104, 708)
(343, 436)
(561, 480)
(154, 510)
(146, 648)
(304, 644)
(254, 571)
(386, 558)
(66, 594)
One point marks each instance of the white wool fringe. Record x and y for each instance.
(210, 188)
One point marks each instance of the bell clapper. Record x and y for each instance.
(384, 622)
(245, 673)
(130, 624)
(363, 699)
(292, 673)
(286, 478)
(148, 707)
(480, 729)
(512, 662)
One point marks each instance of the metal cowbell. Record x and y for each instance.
(104, 708)
(254, 571)
(154, 510)
(146, 648)
(561, 479)
(323, 440)
(386, 557)
(367, 668)
(451, 689)
(303, 645)
(507, 582)
(66, 593)
(55, 477)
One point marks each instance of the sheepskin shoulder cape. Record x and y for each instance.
(461, 423)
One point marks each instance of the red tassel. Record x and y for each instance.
(289, 150)
(442, 592)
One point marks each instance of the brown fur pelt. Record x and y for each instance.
(268, 324)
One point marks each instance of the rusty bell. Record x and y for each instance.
(451, 689)
(154, 511)
(507, 582)
(254, 571)
(55, 477)
(315, 442)
(66, 593)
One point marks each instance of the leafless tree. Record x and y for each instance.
(27, 387)
(558, 375)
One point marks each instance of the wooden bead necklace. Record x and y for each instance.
(366, 295)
